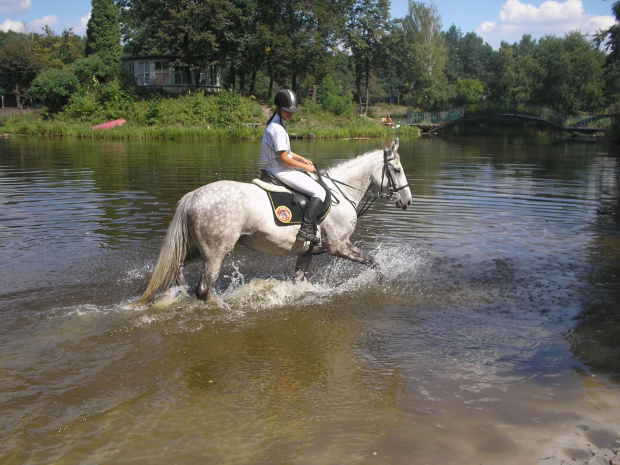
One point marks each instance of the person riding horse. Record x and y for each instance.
(285, 164)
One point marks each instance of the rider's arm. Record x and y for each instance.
(296, 161)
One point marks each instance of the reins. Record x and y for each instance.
(393, 189)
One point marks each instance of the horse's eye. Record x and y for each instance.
(397, 170)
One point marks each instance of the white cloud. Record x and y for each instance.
(80, 28)
(14, 6)
(10, 25)
(32, 26)
(551, 17)
(38, 24)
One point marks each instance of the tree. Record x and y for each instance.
(58, 51)
(424, 53)
(571, 70)
(103, 34)
(454, 66)
(468, 91)
(610, 39)
(367, 25)
(504, 87)
(19, 64)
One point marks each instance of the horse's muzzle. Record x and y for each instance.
(401, 205)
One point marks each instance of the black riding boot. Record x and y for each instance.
(307, 232)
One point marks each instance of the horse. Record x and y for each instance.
(212, 219)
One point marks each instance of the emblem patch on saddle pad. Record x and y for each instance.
(285, 206)
(284, 211)
(284, 214)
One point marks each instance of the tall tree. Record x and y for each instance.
(367, 25)
(58, 51)
(504, 87)
(477, 57)
(572, 77)
(425, 52)
(454, 65)
(103, 34)
(19, 63)
(610, 39)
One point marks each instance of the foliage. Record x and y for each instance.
(19, 63)
(468, 91)
(194, 116)
(54, 87)
(58, 51)
(572, 76)
(367, 22)
(610, 38)
(424, 53)
(88, 69)
(333, 99)
(349, 48)
(103, 34)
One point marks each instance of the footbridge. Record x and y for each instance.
(583, 123)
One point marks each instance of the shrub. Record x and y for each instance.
(89, 69)
(81, 105)
(332, 99)
(54, 87)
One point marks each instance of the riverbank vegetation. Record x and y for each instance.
(223, 115)
(353, 53)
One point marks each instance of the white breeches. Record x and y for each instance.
(300, 181)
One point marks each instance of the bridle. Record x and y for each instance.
(392, 187)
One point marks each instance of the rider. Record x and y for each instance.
(289, 167)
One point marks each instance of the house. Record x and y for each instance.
(157, 72)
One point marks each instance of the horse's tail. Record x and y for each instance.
(172, 253)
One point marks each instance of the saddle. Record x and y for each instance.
(288, 205)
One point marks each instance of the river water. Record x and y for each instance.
(491, 337)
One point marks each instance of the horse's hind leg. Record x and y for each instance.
(192, 254)
(208, 276)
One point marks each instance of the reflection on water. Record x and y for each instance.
(491, 333)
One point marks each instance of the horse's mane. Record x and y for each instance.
(348, 164)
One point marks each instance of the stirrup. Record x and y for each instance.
(306, 236)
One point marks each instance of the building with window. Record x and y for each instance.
(157, 72)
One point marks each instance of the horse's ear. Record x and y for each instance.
(394, 147)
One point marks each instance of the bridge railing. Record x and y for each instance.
(435, 117)
(600, 120)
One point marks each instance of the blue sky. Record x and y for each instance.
(493, 20)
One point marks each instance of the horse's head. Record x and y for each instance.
(393, 182)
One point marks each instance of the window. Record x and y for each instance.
(212, 78)
(162, 73)
(143, 73)
(180, 78)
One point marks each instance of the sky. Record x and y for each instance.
(493, 20)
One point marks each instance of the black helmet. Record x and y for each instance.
(287, 100)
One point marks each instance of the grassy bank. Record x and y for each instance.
(190, 117)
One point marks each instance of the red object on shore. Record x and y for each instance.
(110, 124)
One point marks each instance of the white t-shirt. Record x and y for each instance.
(274, 141)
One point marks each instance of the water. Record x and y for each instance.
(491, 337)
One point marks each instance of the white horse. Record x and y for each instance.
(217, 216)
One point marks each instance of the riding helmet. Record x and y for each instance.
(287, 100)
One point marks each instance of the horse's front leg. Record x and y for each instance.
(346, 249)
(301, 267)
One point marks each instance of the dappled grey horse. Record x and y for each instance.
(217, 216)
